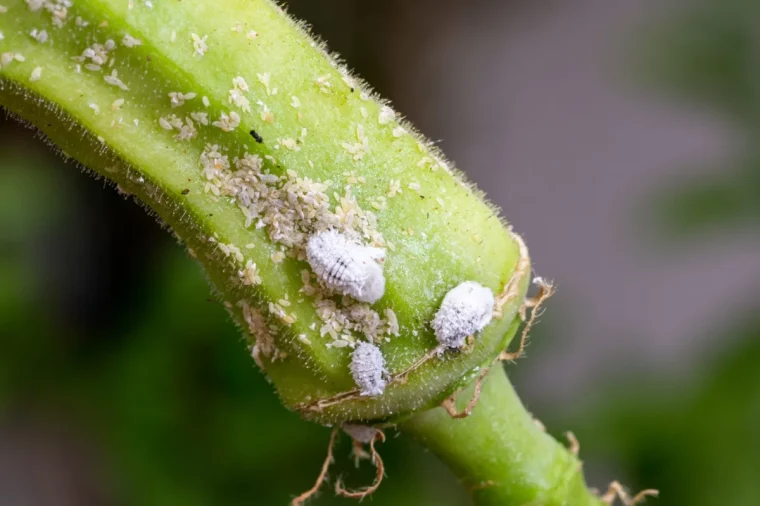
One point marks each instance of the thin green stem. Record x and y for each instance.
(500, 453)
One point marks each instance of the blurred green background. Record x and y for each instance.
(123, 382)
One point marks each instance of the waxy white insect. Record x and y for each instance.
(465, 310)
(368, 369)
(347, 267)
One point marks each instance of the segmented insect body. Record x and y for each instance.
(465, 310)
(347, 267)
(368, 369)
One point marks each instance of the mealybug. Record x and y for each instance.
(368, 369)
(347, 267)
(465, 310)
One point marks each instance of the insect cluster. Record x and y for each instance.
(353, 269)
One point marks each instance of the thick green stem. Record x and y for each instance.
(239, 131)
(228, 121)
(500, 453)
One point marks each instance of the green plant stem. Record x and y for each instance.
(313, 121)
(303, 117)
(500, 453)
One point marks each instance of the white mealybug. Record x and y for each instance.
(368, 369)
(347, 267)
(466, 309)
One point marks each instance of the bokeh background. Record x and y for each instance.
(620, 138)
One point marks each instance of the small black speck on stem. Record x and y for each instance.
(256, 136)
